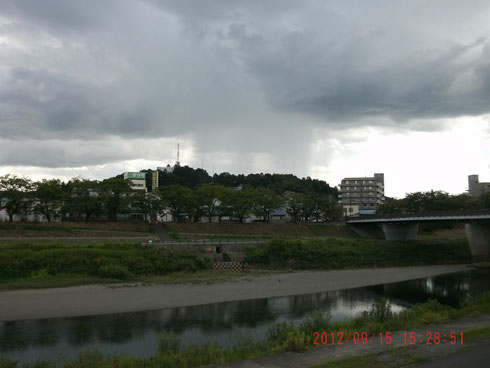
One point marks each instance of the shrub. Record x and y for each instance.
(94, 259)
(334, 253)
(297, 341)
(114, 271)
(380, 311)
(169, 344)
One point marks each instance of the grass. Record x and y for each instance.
(398, 357)
(42, 274)
(61, 264)
(207, 277)
(337, 253)
(286, 337)
(44, 280)
(37, 228)
(394, 358)
(37, 265)
(67, 226)
(477, 335)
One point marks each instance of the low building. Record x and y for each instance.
(475, 188)
(350, 210)
(361, 193)
(137, 180)
(278, 215)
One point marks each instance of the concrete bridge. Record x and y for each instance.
(404, 227)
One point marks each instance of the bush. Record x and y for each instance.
(119, 261)
(380, 311)
(297, 341)
(334, 253)
(169, 344)
(114, 271)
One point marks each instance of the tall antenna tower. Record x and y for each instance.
(177, 163)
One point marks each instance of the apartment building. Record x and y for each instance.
(361, 194)
(475, 187)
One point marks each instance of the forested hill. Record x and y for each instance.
(280, 183)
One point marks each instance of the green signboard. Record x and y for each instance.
(135, 175)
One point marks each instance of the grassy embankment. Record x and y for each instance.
(258, 230)
(62, 264)
(234, 231)
(28, 265)
(281, 337)
(334, 253)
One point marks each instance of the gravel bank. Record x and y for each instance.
(94, 299)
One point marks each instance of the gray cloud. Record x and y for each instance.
(233, 76)
(341, 64)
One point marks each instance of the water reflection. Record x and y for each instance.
(449, 289)
(137, 333)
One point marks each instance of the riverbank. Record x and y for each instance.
(63, 263)
(289, 345)
(96, 299)
(475, 329)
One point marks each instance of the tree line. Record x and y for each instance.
(91, 199)
(433, 201)
(279, 183)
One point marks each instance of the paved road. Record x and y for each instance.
(475, 357)
(93, 300)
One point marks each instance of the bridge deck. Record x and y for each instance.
(460, 216)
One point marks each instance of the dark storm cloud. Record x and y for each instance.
(341, 64)
(43, 104)
(61, 15)
(59, 153)
(85, 70)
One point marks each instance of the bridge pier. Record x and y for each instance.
(401, 232)
(478, 235)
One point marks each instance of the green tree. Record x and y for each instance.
(178, 199)
(48, 198)
(15, 192)
(484, 201)
(391, 206)
(115, 193)
(326, 208)
(241, 203)
(209, 198)
(84, 199)
(148, 204)
(294, 205)
(308, 207)
(264, 201)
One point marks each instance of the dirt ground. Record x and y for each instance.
(28, 234)
(258, 228)
(95, 299)
(56, 230)
(98, 225)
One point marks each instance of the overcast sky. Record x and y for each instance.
(327, 89)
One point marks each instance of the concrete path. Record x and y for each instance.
(328, 353)
(93, 300)
(477, 356)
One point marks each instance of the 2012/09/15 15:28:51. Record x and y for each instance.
(436, 338)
